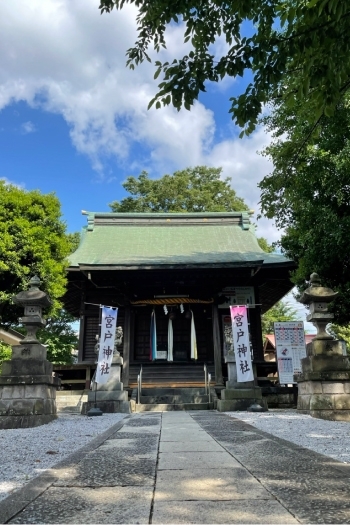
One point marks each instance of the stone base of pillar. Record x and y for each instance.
(237, 395)
(27, 388)
(324, 387)
(109, 397)
(237, 399)
(108, 402)
(326, 399)
(7, 422)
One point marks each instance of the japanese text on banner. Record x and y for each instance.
(105, 354)
(241, 344)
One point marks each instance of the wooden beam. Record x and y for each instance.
(217, 347)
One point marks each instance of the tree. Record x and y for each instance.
(5, 353)
(32, 242)
(342, 333)
(60, 338)
(280, 312)
(196, 189)
(269, 40)
(308, 195)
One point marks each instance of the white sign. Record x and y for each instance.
(290, 349)
(238, 295)
(241, 343)
(105, 354)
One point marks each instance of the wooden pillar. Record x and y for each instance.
(126, 347)
(81, 326)
(217, 346)
(259, 346)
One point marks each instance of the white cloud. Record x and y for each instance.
(8, 182)
(28, 127)
(240, 160)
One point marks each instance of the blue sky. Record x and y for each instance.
(74, 119)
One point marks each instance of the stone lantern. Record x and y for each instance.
(324, 384)
(318, 297)
(33, 301)
(27, 385)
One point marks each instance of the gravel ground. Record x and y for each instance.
(27, 452)
(331, 438)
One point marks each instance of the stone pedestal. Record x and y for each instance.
(238, 396)
(324, 385)
(110, 397)
(27, 388)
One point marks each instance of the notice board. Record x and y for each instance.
(290, 349)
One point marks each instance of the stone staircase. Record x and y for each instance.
(70, 401)
(167, 399)
(170, 375)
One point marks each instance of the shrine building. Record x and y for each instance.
(187, 267)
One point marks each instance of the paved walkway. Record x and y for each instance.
(186, 467)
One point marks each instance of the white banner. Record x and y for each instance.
(105, 354)
(241, 343)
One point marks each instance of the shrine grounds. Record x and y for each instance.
(177, 467)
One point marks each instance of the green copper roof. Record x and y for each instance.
(153, 239)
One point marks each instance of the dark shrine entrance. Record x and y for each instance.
(181, 332)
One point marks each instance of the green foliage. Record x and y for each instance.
(198, 189)
(59, 337)
(264, 245)
(341, 332)
(310, 39)
(32, 242)
(5, 353)
(308, 194)
(280, 312)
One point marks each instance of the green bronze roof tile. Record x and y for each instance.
(109, 240)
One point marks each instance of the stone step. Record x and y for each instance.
(69, 410)
(170, 407)
(70, 403)
(174, 399)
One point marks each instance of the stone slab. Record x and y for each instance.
(130, 446)
(208, 485)
(238, 511)
(87, 505)
(193, 460)
(182, 435)
(140, 430)
(192, 427)
(192, 446)
(103, 469)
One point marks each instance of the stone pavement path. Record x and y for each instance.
(186, 467)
